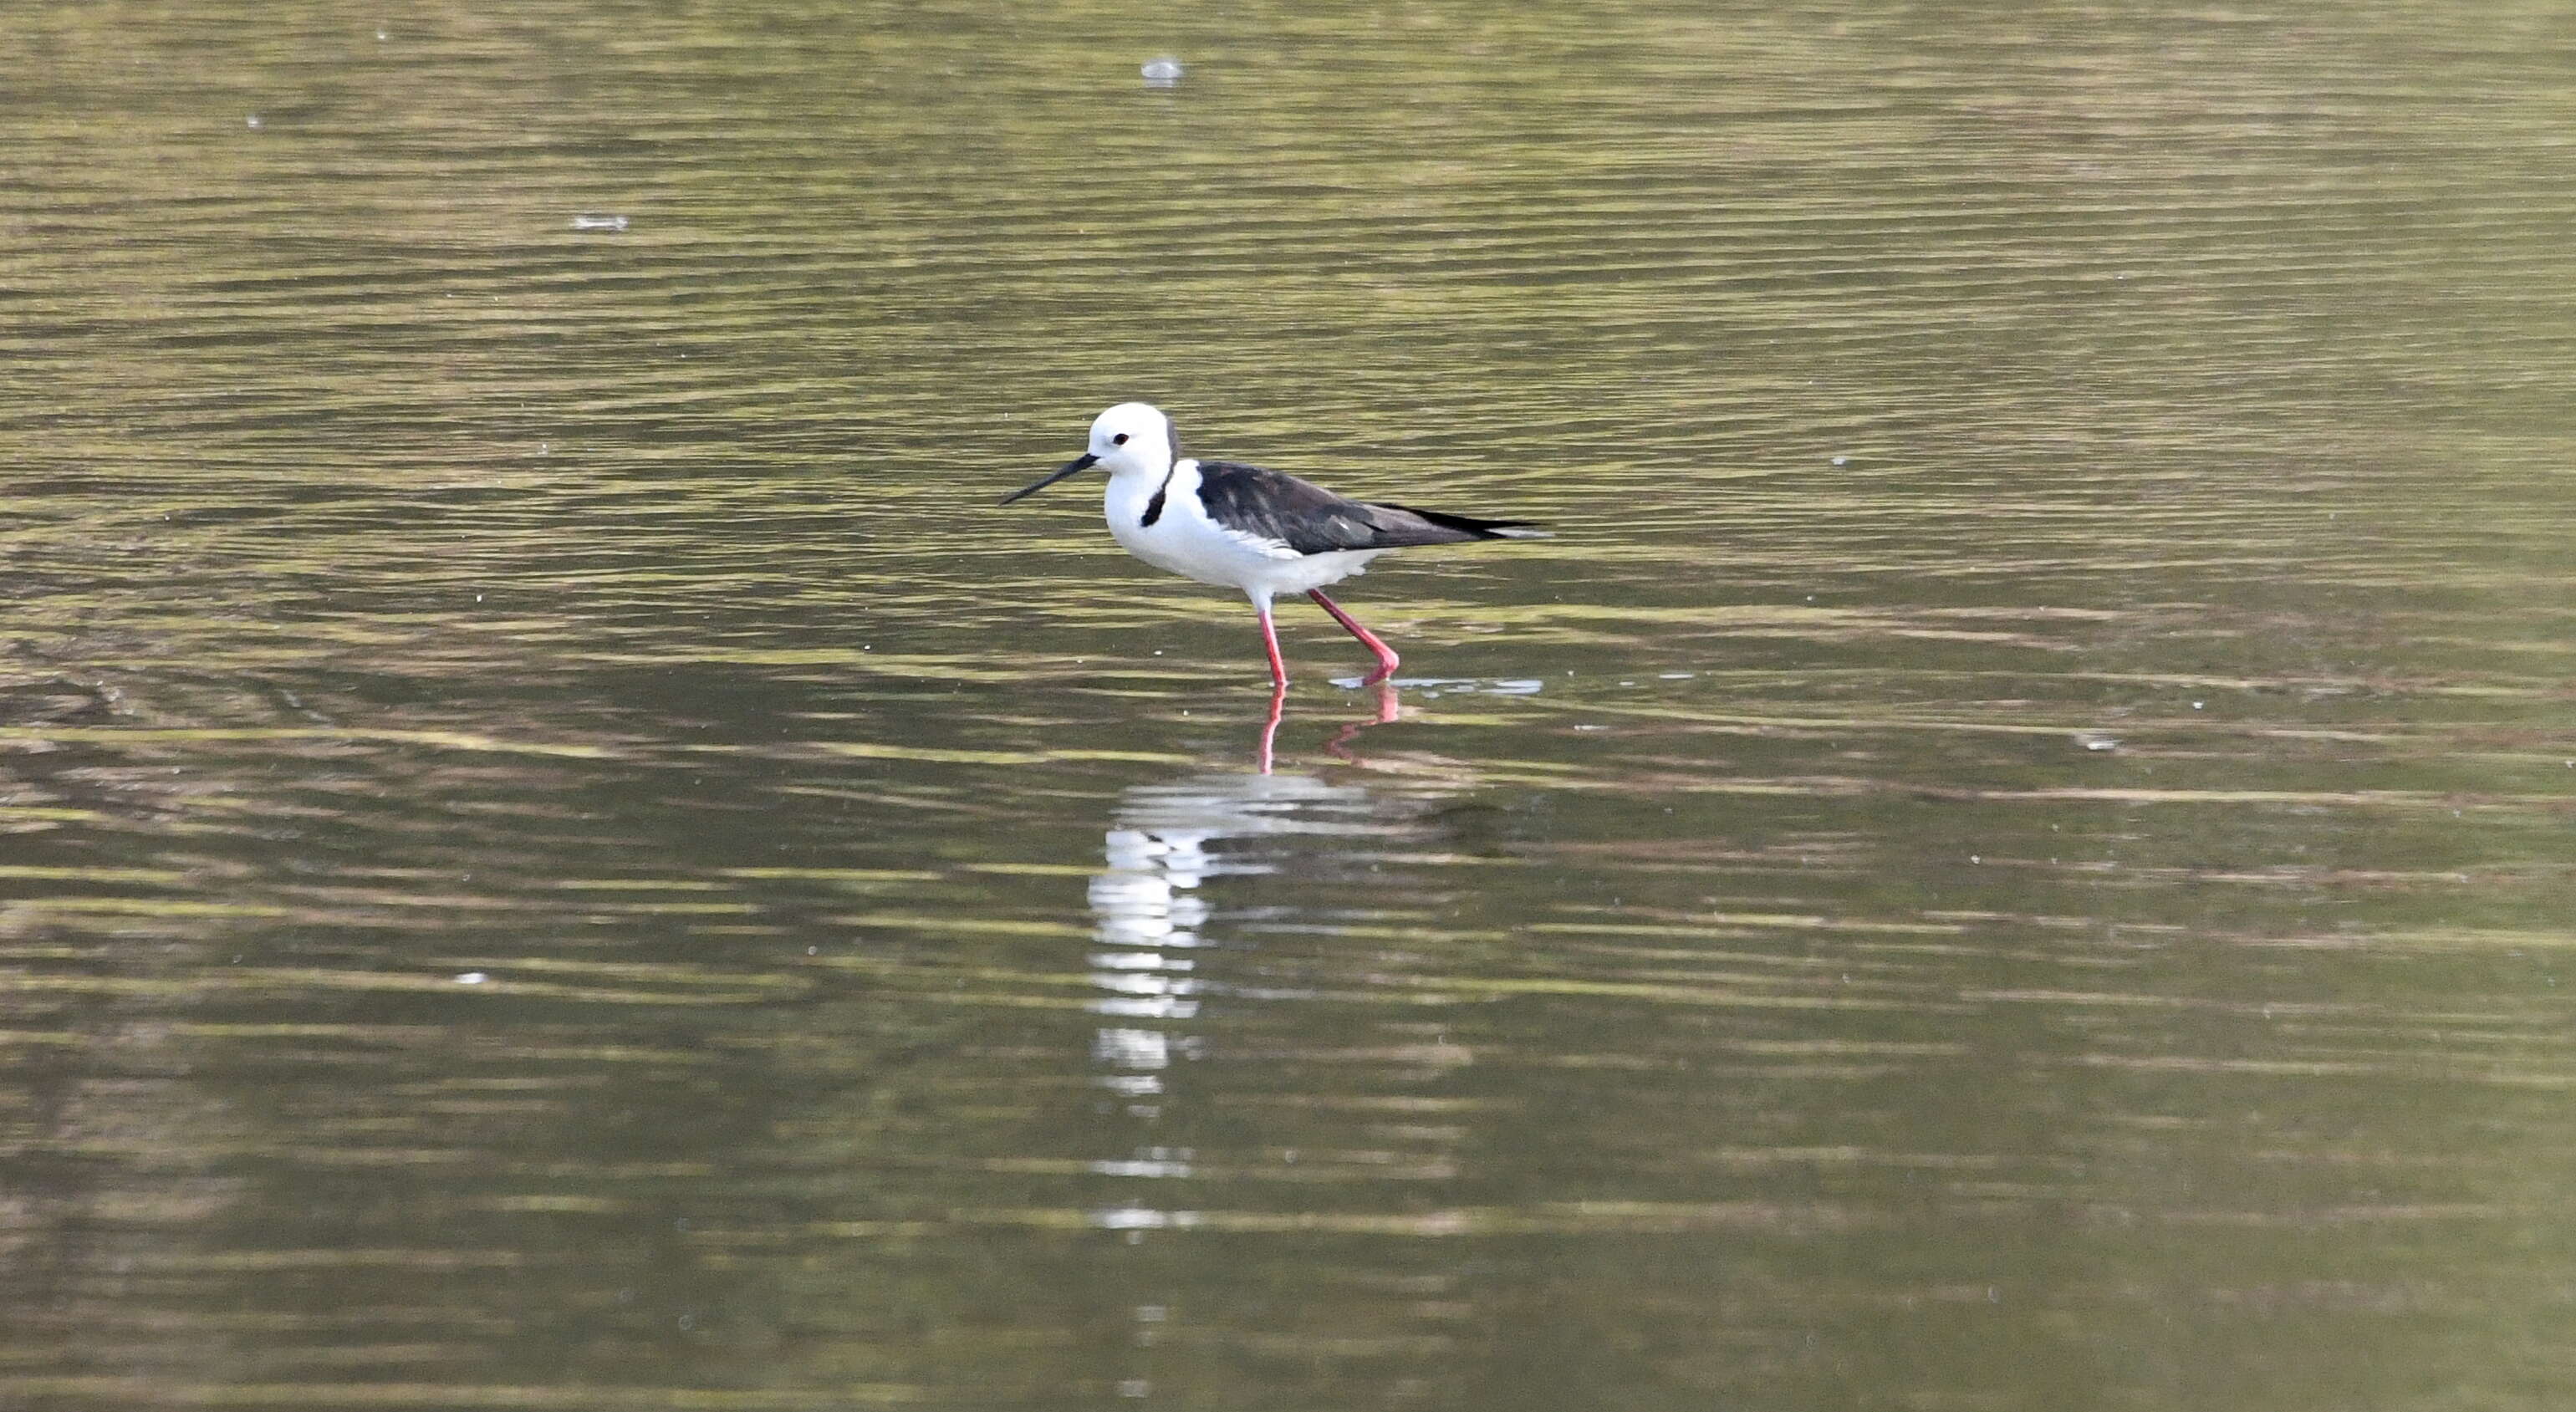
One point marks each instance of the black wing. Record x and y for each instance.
(1312, 520)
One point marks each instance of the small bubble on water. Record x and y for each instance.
(253, 122)
(587, 221)
(1163, 72)
(1842, 460)
(472, 978)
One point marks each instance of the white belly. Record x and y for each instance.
(1185, 541)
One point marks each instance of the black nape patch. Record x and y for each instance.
(1154, 507)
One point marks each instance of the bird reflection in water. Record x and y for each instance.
(1339, 747)
(1149, 912)
(1157, 936)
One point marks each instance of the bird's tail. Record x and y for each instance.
(1474, 528)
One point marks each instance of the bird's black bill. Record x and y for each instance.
(1080, 463)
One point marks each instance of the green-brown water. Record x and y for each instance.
(2014, 852)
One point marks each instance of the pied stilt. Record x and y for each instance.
(1244, 527)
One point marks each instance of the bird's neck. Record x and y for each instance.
(1133, 493)
(1149, 476)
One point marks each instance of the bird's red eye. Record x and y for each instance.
(1119, 440)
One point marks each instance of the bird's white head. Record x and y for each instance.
(1132, 438)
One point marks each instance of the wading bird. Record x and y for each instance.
(1244, 527)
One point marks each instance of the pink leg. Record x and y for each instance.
(1270, 640)
(1385, 654)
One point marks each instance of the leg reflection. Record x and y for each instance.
(1270, 728)
(1388, 710)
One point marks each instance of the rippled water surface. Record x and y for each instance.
(2013, 852)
